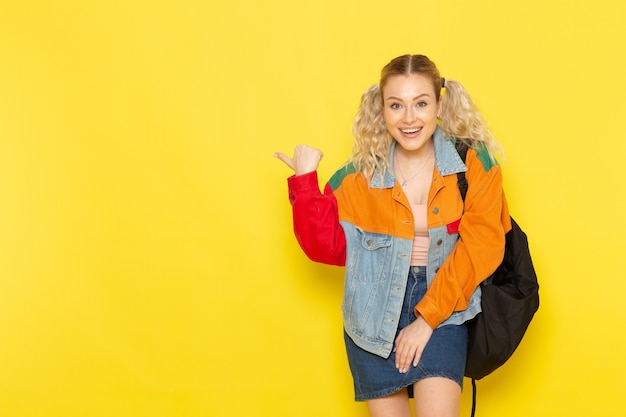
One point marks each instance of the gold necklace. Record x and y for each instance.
(404, 180)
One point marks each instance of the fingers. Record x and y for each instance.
(410, 357)
(287, 160)
(305, 159)
(410, 344)
(407, 355)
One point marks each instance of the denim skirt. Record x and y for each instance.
(444, 355)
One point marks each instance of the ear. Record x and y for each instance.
(439, 106)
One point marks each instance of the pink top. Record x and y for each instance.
(421, 239)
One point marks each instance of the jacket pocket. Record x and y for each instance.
(371, 253)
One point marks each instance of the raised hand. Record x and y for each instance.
(305, 159)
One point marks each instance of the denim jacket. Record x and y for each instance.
(368, 227)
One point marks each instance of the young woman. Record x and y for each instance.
(414, 253)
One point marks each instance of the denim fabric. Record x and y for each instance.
(378, 265)
(444, 355)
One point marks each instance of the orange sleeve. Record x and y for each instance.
(479, 250)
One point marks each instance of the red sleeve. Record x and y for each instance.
(316, 220)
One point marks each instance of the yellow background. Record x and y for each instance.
(147, 261)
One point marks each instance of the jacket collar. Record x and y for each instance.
(447, 161)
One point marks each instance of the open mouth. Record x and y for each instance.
(411, 131)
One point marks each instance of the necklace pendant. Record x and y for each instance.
(403, 184)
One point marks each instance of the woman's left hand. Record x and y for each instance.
(410, 344)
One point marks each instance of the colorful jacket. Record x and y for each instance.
(368, 227)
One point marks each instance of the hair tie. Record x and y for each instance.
(443, 82)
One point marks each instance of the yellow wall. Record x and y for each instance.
(147, 262)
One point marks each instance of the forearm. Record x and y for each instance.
(316, 220)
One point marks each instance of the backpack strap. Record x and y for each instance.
(462, 148)
(473, 397)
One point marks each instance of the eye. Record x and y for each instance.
(422, 104)
(395, 106)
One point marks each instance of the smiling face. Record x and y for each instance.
(410, 109)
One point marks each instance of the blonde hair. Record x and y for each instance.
(459, 117)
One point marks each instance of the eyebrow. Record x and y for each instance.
(414, 98)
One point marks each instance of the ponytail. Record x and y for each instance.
(461, 119)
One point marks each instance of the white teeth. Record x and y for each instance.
(411, 130)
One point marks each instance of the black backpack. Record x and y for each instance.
(510, 298)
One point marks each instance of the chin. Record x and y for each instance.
(412, 144)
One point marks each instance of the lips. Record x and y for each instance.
(410, 131)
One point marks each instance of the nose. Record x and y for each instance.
(410, 114)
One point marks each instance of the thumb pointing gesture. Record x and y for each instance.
(305, 159)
